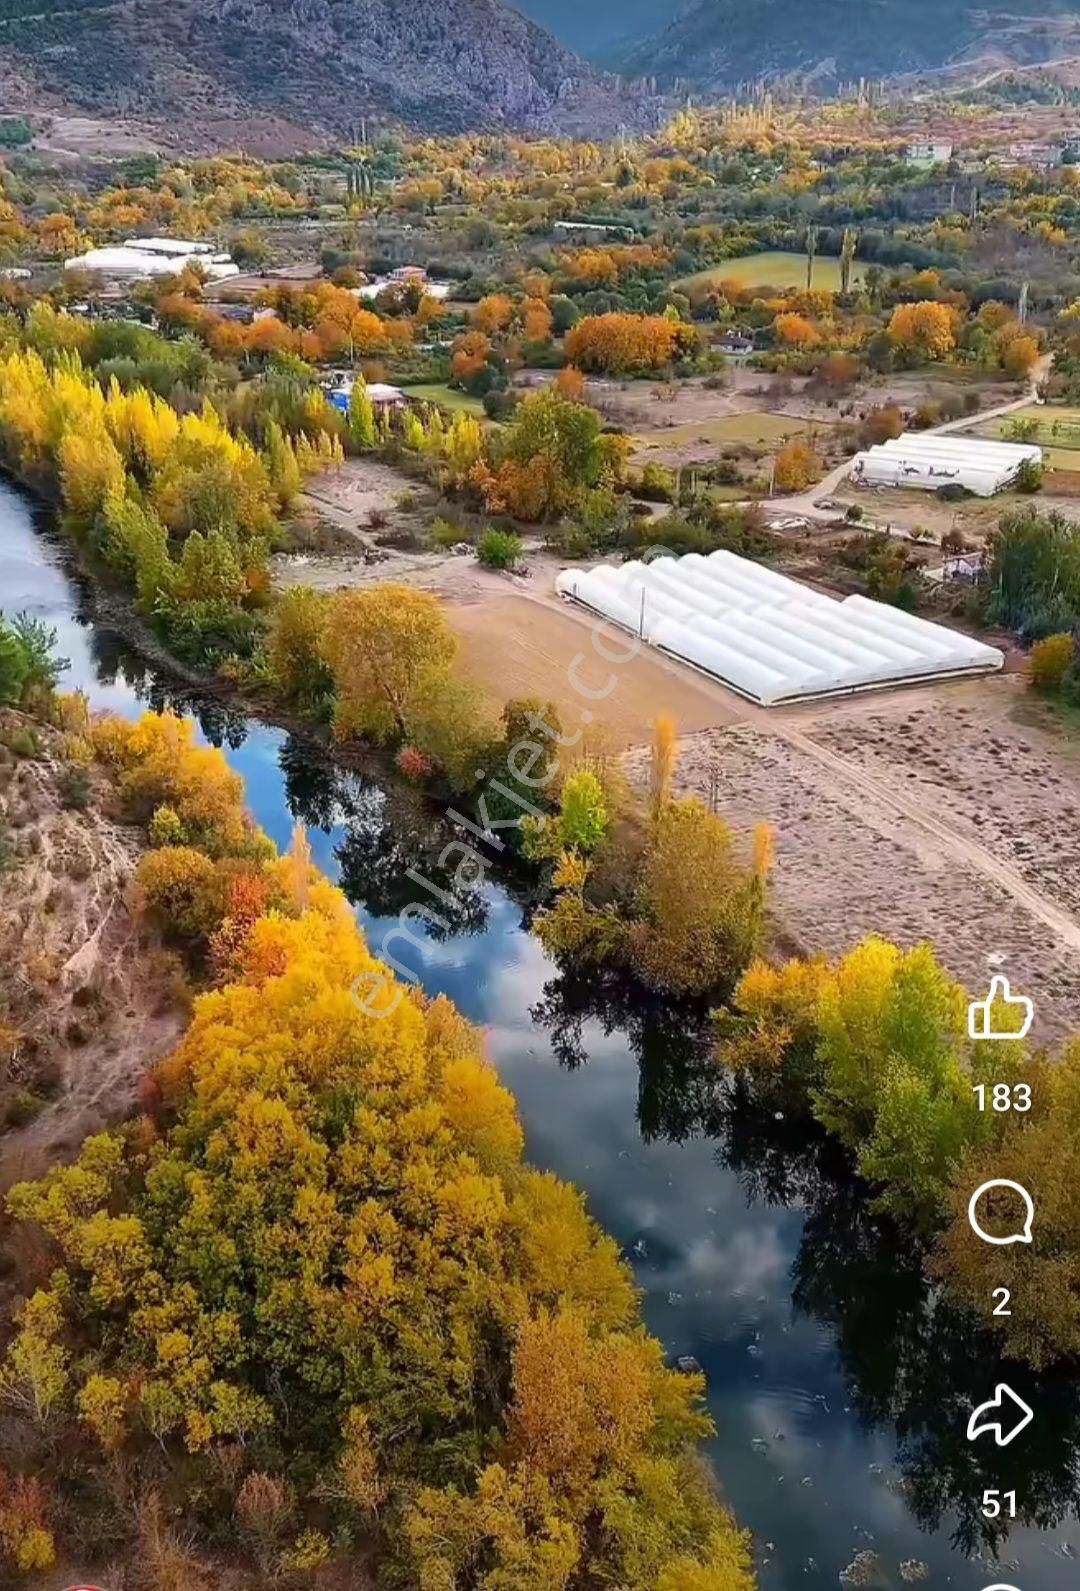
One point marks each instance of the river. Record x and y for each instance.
(839, 1382)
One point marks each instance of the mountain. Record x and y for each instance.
(210, 68)
(718, 43)
(597, 30)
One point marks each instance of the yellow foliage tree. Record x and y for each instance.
(381, 644)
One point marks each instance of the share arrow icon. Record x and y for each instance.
(1006, 1414)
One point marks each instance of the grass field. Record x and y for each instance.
(752, 430)
(447, 397)
(774, 269)
(1057, 428)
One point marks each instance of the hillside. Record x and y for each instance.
(602, 28)
(718, 43)
(209, 69)
(88, 999)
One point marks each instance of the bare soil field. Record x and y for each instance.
(926, 814)
(362, 486)
(646, 406)
(514, 646)
(90, 137)
(975, 517)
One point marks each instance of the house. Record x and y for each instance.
(929, 152)
(735, 344)
(383, 396)
(404, 276)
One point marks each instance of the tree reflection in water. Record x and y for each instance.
(910, 1359)
(390, 832)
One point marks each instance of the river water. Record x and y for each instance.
(839, 1382)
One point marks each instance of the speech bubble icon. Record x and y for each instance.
(1024, 1235)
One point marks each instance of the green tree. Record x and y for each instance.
(362, 417)
(583, 815)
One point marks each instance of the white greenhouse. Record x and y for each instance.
(928, 460)
(765, 635)
(137, 259)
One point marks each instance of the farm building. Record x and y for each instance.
(765, 635)
(928, 460)
(381, 393)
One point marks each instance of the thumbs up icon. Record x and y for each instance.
(1002, 1015)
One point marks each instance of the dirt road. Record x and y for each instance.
(805, 504)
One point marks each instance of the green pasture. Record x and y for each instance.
(1056, 428)
(446, 397)
(774, 268)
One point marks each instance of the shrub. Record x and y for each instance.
(499, 549)
(447, 533)
(413, 764)
(178, 887)
(25, 743)
(657, 484)
(1029, 477)
(1050, 661)
(75, 788)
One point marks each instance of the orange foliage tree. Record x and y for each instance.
(622, 344)
(923, 330)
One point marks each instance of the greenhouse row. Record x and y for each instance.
(765, 635)
(927, 461)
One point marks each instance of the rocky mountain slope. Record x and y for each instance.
(315, 65)
(718, 43)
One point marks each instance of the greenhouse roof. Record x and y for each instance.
(767, 636)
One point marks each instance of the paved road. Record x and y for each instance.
(805, 504)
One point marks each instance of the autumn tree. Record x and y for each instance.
(294, 647)
(381, 643)
(923, 330)
(700, 907)
(796, 467)
(794, 331)
(551, 455)
(493, 313)
(881, 425)
(621, 344)
(361, 416)
(322, 1289)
